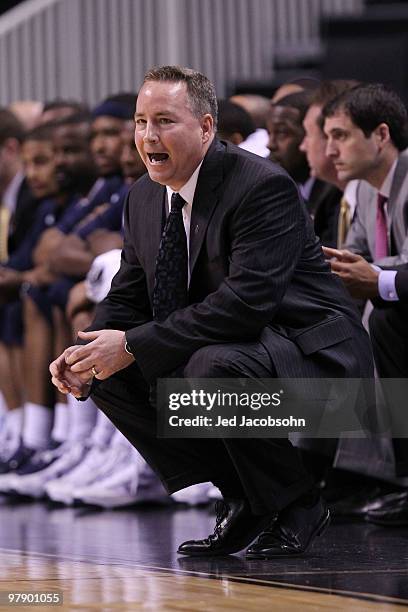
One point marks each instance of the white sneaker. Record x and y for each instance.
(12, 465)
(193, 496)
(121, 488)
(62, 460)
(9, 444)
(99, 463)
(6, 482)
(214, 493)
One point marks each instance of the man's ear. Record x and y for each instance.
(207, 127)
(382, 134)
(236, 138)
(11, 147)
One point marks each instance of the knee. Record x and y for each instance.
(217, 361)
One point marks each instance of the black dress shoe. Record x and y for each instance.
(235, 528)
(391, 510)
(292, 533)
(357, 506)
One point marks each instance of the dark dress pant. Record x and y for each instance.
(389, 337)
(267, 472)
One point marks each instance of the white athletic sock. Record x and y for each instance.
(14, 421)
(37, 427)
(103, 431)
(60, 430)
(11, 434)
(82, 418)
(3, 406)
(3, 413)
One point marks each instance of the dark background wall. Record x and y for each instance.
(370, 47)
(5, 5)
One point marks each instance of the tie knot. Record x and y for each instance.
(381, 201)
(177, 203)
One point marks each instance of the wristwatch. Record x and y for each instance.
(127, 348)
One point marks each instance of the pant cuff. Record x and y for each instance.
(286, 497)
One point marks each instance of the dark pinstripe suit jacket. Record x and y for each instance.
(23, 218)
(401, 283)
(257, 272)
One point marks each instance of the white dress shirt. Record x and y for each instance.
(9, 198)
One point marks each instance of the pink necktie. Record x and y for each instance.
(381, 238)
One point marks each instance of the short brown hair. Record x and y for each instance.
(10, 126)
(327, 91)
(370, 104)
(41, 133)
(200, 90)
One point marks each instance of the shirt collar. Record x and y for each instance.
(188, 190)
(9, 198)
(350, 195)
(385, 188)
(306, 188)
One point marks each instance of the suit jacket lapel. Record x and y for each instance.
(153, 220)
(205, 198)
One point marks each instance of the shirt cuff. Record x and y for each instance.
(386, 285)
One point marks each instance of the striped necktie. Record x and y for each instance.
(4, 233)
(343, 222)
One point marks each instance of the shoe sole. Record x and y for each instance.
(318, 531)
(224, 553)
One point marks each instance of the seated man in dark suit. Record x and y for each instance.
(388, 291)
(333, 216)
(17, 203)
(258, 108)
(366, 128)
(287, 138)
(250, 296)
(389, 336)
(234, 122)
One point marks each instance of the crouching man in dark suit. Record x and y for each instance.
(221, 275)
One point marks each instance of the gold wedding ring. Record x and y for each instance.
(94, 372)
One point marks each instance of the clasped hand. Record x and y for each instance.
(105, 354)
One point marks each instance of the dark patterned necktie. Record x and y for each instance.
(171, 274)
(381, 235)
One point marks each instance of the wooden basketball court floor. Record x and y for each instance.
(126, 560)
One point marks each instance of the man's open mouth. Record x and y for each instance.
(158, 158)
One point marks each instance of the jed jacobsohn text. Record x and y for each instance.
(234, 421)
(228, 413)
(207, 400)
